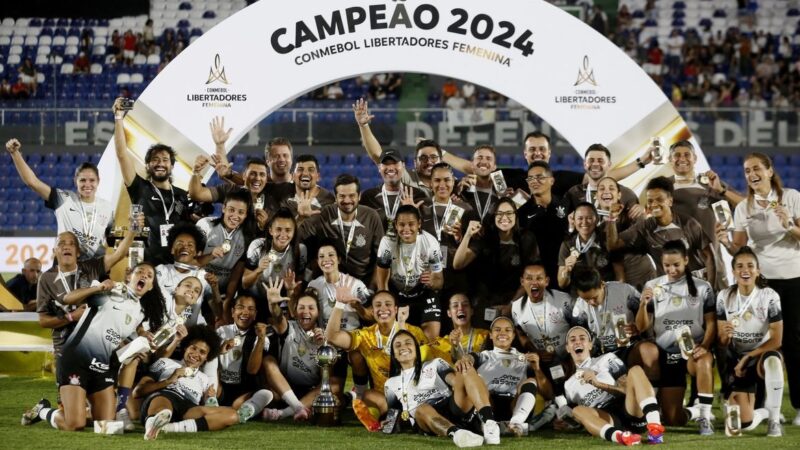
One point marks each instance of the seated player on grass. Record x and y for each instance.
(464, 338)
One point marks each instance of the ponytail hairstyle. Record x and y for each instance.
(516, 343)
(761, 281)
(294, 244)
(775, 182)
(677, 247)
(394, 367)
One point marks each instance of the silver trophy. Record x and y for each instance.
(135, 211)
(135, 254)
(326, 405)
(165, 333)
(658, 154)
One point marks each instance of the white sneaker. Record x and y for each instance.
(127, 424)
(491, 432)
(466, 438)
(774, 428)
(245, 412)
(154, 424)
(796, 421)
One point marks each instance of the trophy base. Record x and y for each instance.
(326, 416)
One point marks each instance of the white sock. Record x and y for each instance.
(53, 419)
(693, 411)
(605, 429)
(705, 408)
(525, 404)
(292, 400)
(259, 400)
(758, 416)
(653, 416)
(773, 385)
(184, 426)
(287, 412)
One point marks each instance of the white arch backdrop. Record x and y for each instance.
(271, 52)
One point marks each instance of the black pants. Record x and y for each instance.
(789, 291)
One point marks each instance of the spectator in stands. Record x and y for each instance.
(598, 20)
(164, 204)
(24, 284)
(334, 91)
(148, 35)
(624, 18)
(394, 85)
(86, 40)
(470, 93)
(115, 46)
(128, 47)
(27, 74)
(455, 102)
(376, 90)
(674, 47)
(5, 89)
(81, 64)
(449, 89)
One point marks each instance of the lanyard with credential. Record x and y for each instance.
(436, 225)
(167, 212)
(390, 214)
(62, 277)
(482, 210)
(349, 241)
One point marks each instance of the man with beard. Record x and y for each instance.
(355, 228)
(477, 189)
(163, 204)
(308, 195)
(277, 153)
(664, 225)
(597, 162)
(427, 153)
(387, 198)
(24, 284)
(536, 147)
(186, 242)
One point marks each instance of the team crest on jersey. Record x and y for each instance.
(602, 261)
(237, 354)
(703, 203)
(128, 319)
(75, 380)
(561, 212)
(555, 317)
(515, 260)
(506, 362)
(361, 241)
(761, 313)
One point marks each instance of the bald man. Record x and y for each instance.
(23, 285)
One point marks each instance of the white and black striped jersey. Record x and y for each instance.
(545, 323)
(673, 307)
(751, 316)
(608, 368)
(215, 237)
(620, 299)
(88, 221)
(403, 392)
(326, 293)
(501, 370)
(190, 388)
(109, 319)
(298, 357)
(168, 279)
(230, 363)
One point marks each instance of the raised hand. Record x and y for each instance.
(473, 228)
(304, 202)
(361, 112)
(218, 133)
(273, 288)
(13, 146)
(407, 197)
(200, 164)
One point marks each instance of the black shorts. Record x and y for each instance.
(623, 420)
(673, 369)
(447, 408)
(339, 369)
(93, 376)
(749, 381)
(230, 392)
(179, 405)
(423, 306)
(502, 405)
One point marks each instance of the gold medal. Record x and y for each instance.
(676, 301)
(735, 322)
(237, 341)
(521, 358)
(226, 245)
(404, 415)
(550, 348)
(657, 291)
(301, 350)
(747, 315)
(773, 204)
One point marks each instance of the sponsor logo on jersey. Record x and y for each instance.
(98, 366)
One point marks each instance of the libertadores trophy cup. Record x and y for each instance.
(326, 405)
